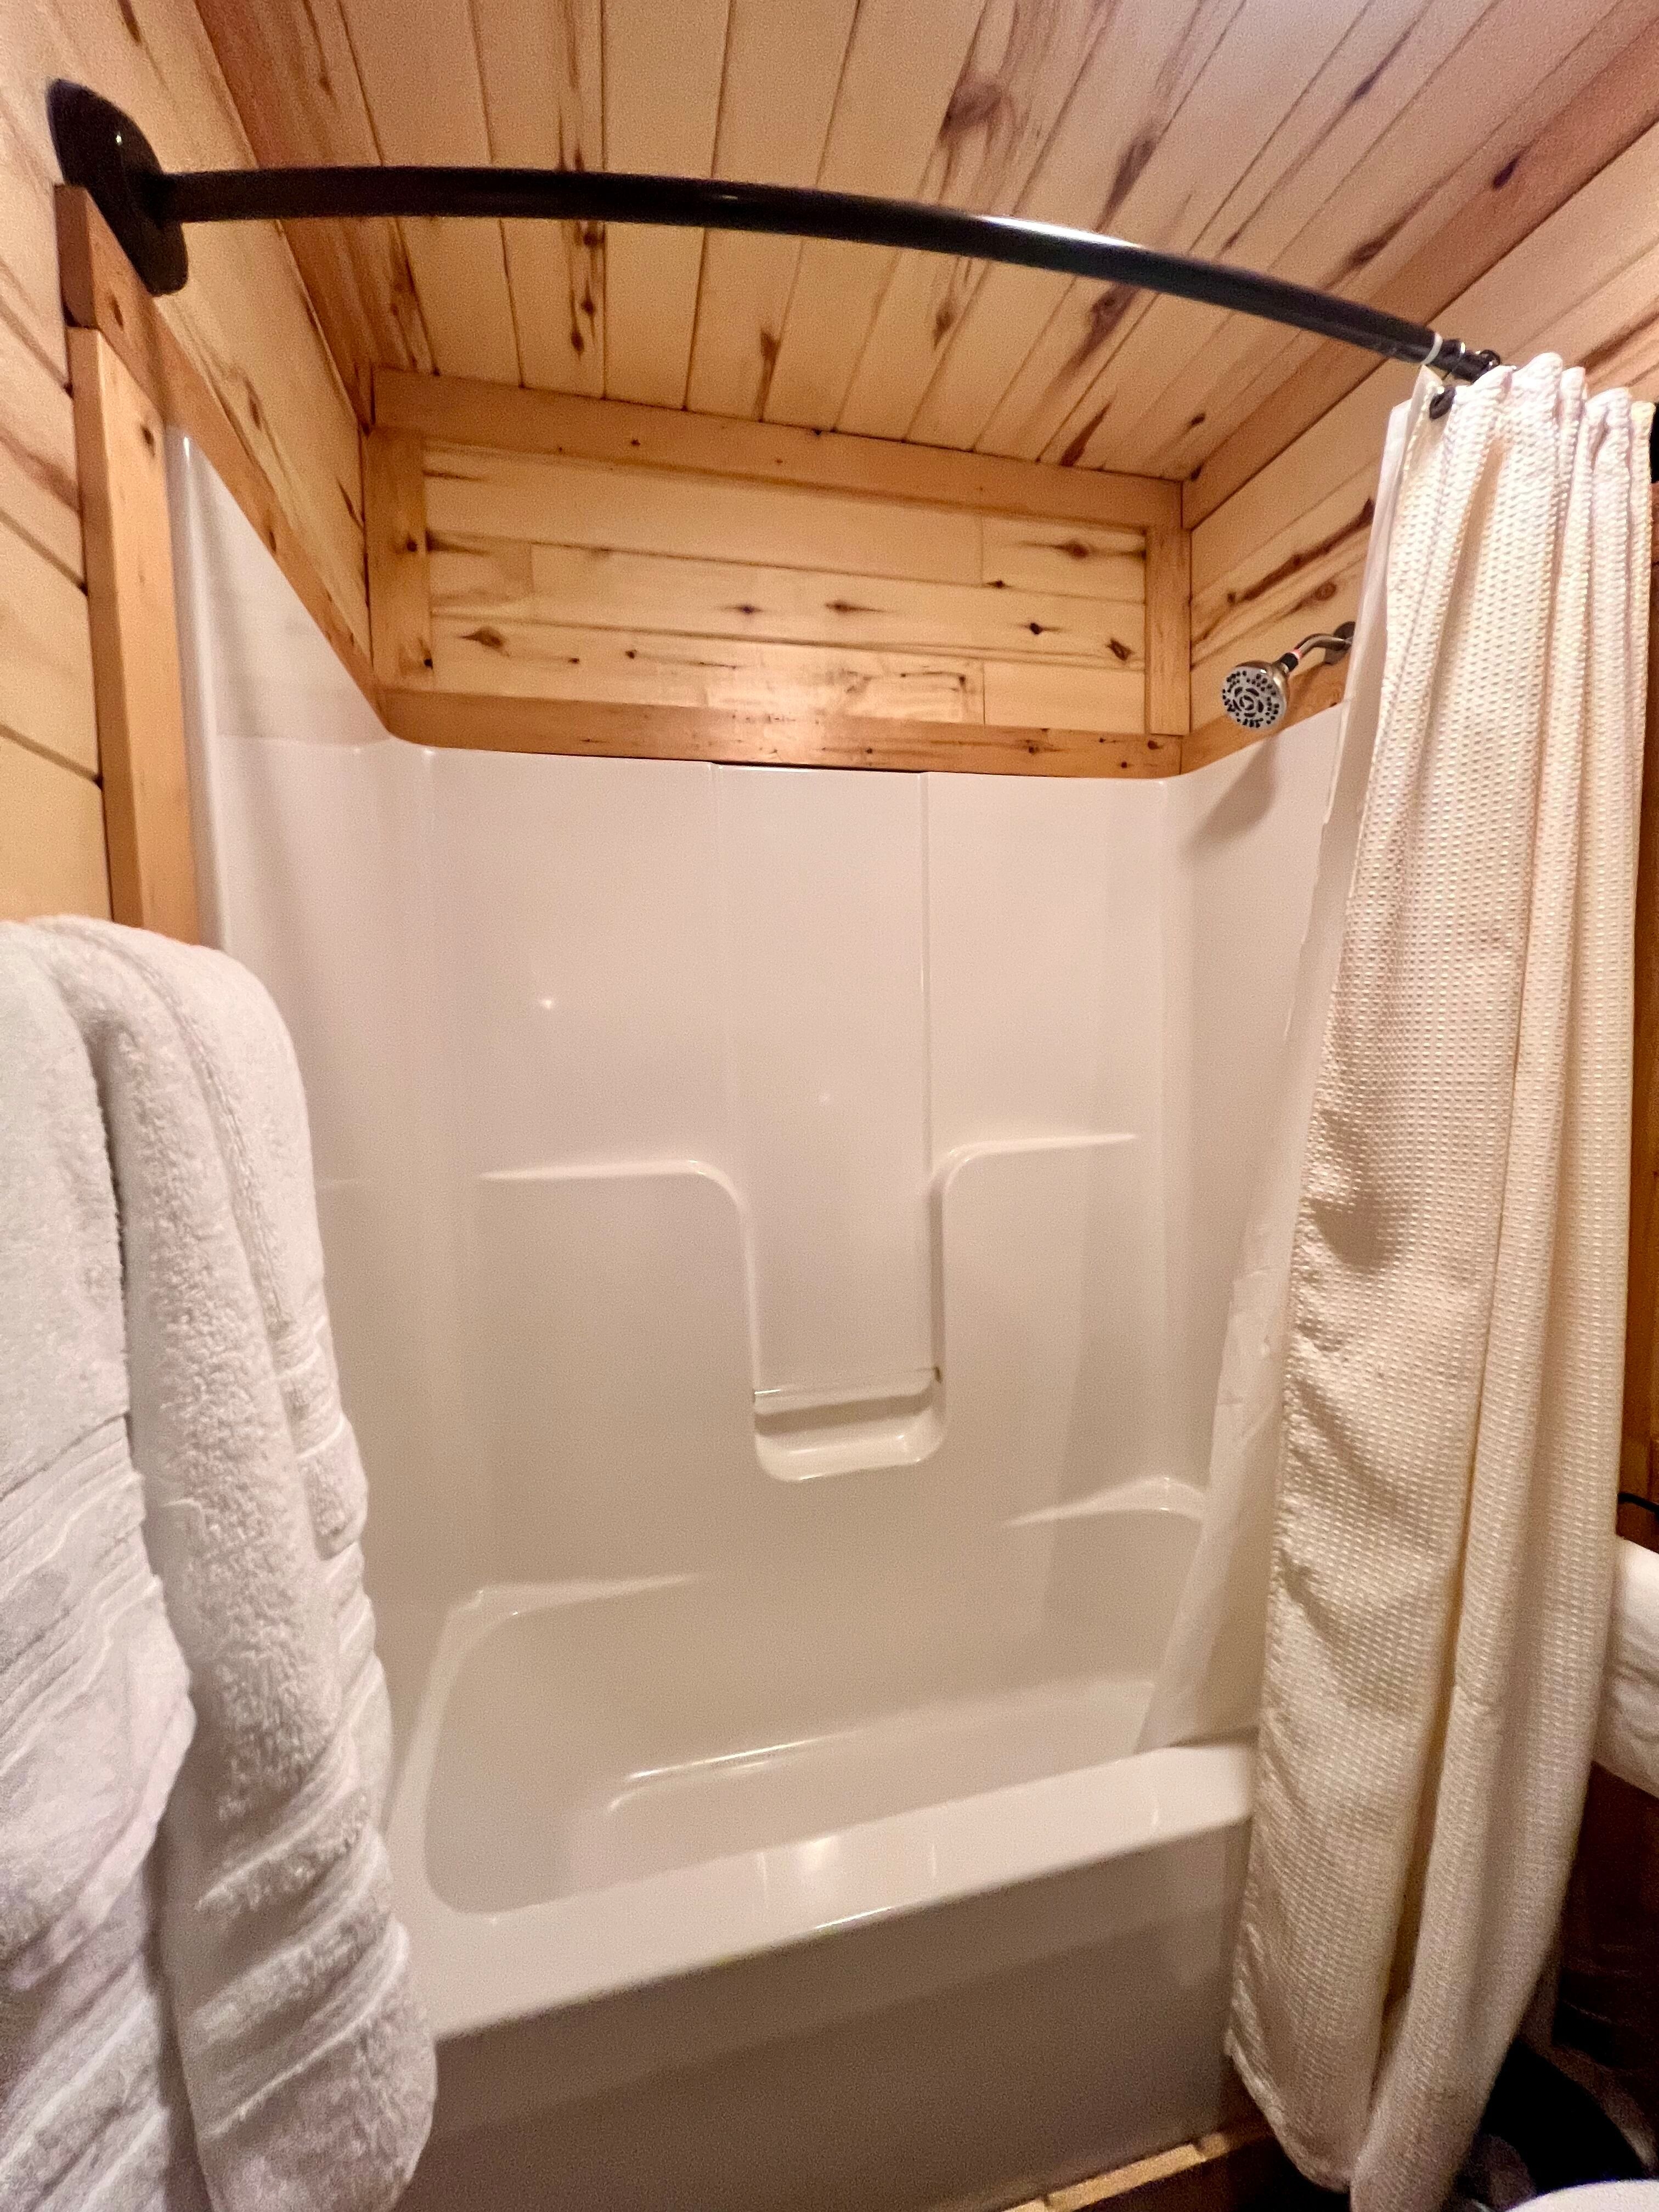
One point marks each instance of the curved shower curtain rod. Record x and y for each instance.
(103, 149)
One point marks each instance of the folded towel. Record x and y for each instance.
(92, 2112)
(94, 1713)
(308, 2065)
(244, 1064)
(1627, 1734)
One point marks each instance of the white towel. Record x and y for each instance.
(309, 2068)
(1627, 1732)
(95, 1713)
(243, 1060)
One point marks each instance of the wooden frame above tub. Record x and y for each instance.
(567, 574)
(131, 377)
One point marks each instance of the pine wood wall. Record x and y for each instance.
(1286, 552)
(245, 322)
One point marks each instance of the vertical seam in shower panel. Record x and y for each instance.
(1172, 1147)
(737, 1169)
(932, 1211)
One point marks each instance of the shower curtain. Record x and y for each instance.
(1407, 1558)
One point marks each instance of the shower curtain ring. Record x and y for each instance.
(1440, 405)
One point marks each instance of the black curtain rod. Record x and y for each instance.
(103, 150)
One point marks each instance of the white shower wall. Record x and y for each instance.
(819, 1180)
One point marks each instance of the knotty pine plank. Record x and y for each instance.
(1588, 278)
(1131, 87)
(38, 494)
(495, 578)
(895, 93)
(1255, 81)
(661, 110)
(1063, 557)
(651, 733)
(1418, 109)
(1278, 570)
(471, 492)
(46, 656)
(541, 69)
(121, 448)
(1065, 696)
(460, 410)
(1325, 188)
(1535, 164)
(561, 660)
(418, 67)
(1013, 88)
(768, 139)
(52, 838)
(28, 172)
(295, 81)
(244, 318)
(1169, 585)
(555, 660)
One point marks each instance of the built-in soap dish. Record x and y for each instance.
(802, 1434)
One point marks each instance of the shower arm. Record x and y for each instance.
(103, 151)
(1331, 645)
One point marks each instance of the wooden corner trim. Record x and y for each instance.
(102, 292)
(1169, 632)
(121, 461)
(399, 564)
(489, 723)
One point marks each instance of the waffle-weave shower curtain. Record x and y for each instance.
(1416, 1438)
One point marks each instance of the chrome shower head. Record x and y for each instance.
(1257, 694)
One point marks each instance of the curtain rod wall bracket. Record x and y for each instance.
(99, 148)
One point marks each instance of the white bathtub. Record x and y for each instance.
(779, 1228)
(696, 1876)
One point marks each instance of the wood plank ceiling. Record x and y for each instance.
(1329, 140)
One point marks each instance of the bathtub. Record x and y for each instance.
(778, 1230)
(698, 1877)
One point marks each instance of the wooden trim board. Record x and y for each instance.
(1237, 2167)
(462, 411)
(490, 723)
(102, 292)
(1169, 632)
(121, 459)
(399, 568)
(460, 414)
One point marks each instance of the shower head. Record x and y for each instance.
(1257, 694)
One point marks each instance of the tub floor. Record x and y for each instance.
(513, 1821)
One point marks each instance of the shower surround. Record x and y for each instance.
(780, 1225)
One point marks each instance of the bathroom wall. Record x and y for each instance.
(1286, 551)
(819, 1176)
(560, 579)
(245, 322)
